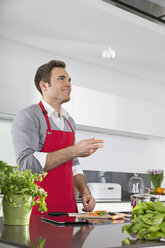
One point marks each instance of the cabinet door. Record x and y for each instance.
(99, 109)
(139, 116)
(158, 121)
(146, 118)
(109, 111)
(82, 110)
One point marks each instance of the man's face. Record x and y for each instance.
(60, 86)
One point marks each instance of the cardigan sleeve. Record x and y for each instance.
(26, 138)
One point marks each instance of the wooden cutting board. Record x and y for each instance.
(109, 215)
(125, 215)
(105, 216)
(86, 216)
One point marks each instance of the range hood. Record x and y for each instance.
(153, 10)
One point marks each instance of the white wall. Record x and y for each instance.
(6, 146)
(17, 67)
(124, 154)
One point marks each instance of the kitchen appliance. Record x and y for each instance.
(138, 198)
(105, 191)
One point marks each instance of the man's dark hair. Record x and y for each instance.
(43, 73)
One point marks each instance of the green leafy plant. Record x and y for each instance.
(148, 221)
(13, 181)
(40, 243)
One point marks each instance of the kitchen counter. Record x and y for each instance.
(106, 200)
(109, 205)
(123, 205)
(40, 234)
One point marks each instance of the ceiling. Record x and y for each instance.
(82, 29)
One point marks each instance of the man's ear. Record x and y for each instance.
(43, 86)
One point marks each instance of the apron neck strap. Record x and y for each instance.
(69, 125)
(45, 113)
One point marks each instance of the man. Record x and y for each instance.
(44, 139)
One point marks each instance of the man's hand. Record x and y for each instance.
(85, 148)
(88, 202)
(87, 199)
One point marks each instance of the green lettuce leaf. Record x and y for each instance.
(154, 235)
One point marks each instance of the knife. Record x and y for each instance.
(57, 213)
(79, 215)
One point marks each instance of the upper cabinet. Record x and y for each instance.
(98, 109)
(146, 118)
(91, 108)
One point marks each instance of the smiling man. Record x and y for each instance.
(44, 139)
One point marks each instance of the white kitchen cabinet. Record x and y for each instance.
(95, 109)
(145, 118)
(157, 124)
(109, 111)
(82, 110)
(98, 109)
(138, 116)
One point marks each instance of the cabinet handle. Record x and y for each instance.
(110, 188)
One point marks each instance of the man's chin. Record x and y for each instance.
(66, 100)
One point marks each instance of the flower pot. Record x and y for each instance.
(16, 234)
(1, 197)
(16, 213)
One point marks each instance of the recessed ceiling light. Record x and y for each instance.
(108, 53)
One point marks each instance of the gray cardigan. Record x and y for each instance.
(29, 133)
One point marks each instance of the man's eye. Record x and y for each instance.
(61, 78)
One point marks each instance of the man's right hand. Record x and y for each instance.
(83, 148)
(87, 147)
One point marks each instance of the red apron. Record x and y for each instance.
(58, 183)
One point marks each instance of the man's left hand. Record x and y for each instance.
(88, 202)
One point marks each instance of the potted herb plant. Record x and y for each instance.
(20, 192)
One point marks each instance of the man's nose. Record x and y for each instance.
(68, 83)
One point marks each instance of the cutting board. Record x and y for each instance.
(86, 216)
(109, 215)
(114, 216)
(124, 215)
